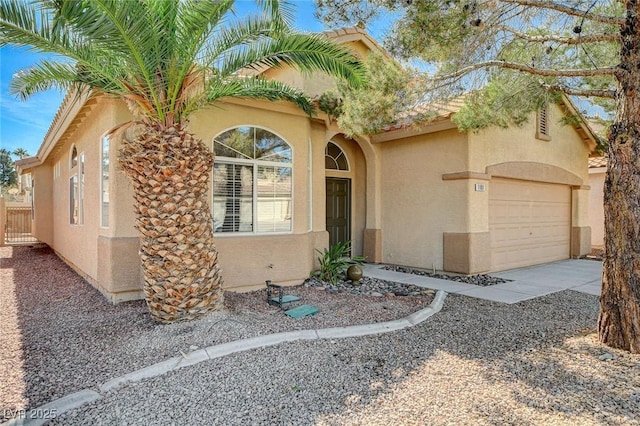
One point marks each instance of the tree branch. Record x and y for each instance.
(530, 70)
(563, 40)
(587, 93)
(568, 10)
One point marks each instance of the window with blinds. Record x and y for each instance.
(252, 182)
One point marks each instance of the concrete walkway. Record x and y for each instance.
(584, 276)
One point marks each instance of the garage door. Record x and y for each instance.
(530, 223)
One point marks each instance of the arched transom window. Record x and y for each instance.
(252, 182)
(334, 158)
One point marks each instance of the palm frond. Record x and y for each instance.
(305, 52)
(44, 76)
(238, 35)
(281, 13)
(164, 57)
(258, 88)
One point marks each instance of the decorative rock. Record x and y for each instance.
(354, 273)
(482, 280)
(607, 356)
(369, 287)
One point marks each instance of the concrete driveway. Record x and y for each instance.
(584, 276)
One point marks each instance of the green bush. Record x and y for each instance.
(335, 261)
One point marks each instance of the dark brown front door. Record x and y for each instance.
(338, 210)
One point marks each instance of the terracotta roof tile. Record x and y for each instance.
(595, 162)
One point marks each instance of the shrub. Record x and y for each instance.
(334, 262)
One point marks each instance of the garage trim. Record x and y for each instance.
(530, 171)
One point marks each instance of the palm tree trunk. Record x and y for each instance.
(619, 320)
(169, 170)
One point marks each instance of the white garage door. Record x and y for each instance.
(530, 223)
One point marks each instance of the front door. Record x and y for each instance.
(338, 210)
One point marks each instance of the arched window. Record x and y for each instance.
(73, 159)
(252, 182)
(334, 158)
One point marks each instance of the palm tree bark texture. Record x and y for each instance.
(619, 320)
(169, 170)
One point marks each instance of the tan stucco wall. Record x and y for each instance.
(249, 260)
(121, 216)
(436, 190)
(314, 83)
(98, 253)
(42, 225)
(565, 149)
(78, 243)
(409, 196)
(516, 153)
(596, 209)
(417, 205)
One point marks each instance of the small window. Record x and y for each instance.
(74, 158)
(104, 184)
(33, 197)
(76, 188)
(542, 131)
(334, 158)
(74, 196)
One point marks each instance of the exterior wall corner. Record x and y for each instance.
(119, 271)
(373, 245)
(467, 253)
(580, 241)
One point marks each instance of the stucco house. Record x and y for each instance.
(285, 184)
(597, 174)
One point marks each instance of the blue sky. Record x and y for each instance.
(23, 124)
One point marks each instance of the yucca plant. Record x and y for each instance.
(167, 59)
(335, 261)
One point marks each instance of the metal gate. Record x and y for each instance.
(18, 226)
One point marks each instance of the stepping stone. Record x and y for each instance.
(302, 311)
(285, 299)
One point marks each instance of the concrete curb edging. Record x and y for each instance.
(77, 399)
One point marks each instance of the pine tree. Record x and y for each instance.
(521, 54)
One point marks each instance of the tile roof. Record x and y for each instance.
(595, 162)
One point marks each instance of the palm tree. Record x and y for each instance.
(167, 59)
(20, 153)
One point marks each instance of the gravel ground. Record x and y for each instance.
(59, 335)
(482, 280)
(476, 362)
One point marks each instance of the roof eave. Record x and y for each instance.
(582, 127)
(27, 163)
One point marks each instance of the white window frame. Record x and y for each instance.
(77, 172)
(105, 139)
(255, 164)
